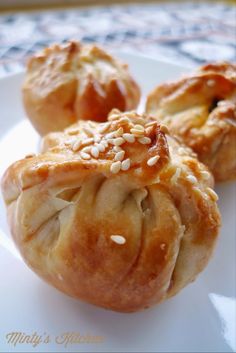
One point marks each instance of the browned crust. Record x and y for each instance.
(200, 109)
(74, 81)
(62, 211)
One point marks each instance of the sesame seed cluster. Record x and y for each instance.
(110, 141)
(195, 183)
(110, 138)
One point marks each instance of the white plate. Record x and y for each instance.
(199, 319)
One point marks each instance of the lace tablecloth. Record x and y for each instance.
(188, 33)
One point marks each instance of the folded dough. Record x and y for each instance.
(72, 81)
(200, 109)
(118, 214)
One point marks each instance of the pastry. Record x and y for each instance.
(200, 110)
(68, 82)
(117, 214)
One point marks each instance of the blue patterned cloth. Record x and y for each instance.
(189, 33)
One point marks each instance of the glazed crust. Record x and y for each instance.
(200, 109)
(66, 83)
(64, 209)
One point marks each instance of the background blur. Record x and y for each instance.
(186, 32)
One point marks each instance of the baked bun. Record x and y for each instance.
(73, 81)
(116, 214)
(201, 110)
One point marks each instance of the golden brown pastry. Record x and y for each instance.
(117, 214)
(225, 68)
(200, 109)
(72, 81)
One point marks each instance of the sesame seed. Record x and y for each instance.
(211, 83)
(164, 129)
(113, 117)
(120, 131)
(118, 239)
(110, 141)
(114, 111)
(137, 132)
(95, 152)
(192, 179)
(206, 175)
(151, 123)
(124, 120)
(84, 155)
(87, 149)
(104, 143)
(92, 124)
(87, 141)
(140, 121)
(152, 161)
(129, 137)
(104, 127)
(212, 194)
(125, 165)
(117, 149)
(118, 141)
(115, 167)
(70, 141)
(148, 130)
(88, 131)
(176, 175)
(139, 127)
(97, 138)
(197, 192)
(73, 131)
(119, 155)
(131, 114)
(144, 140)
(110, 135)
(76, 145)
(101, 147)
